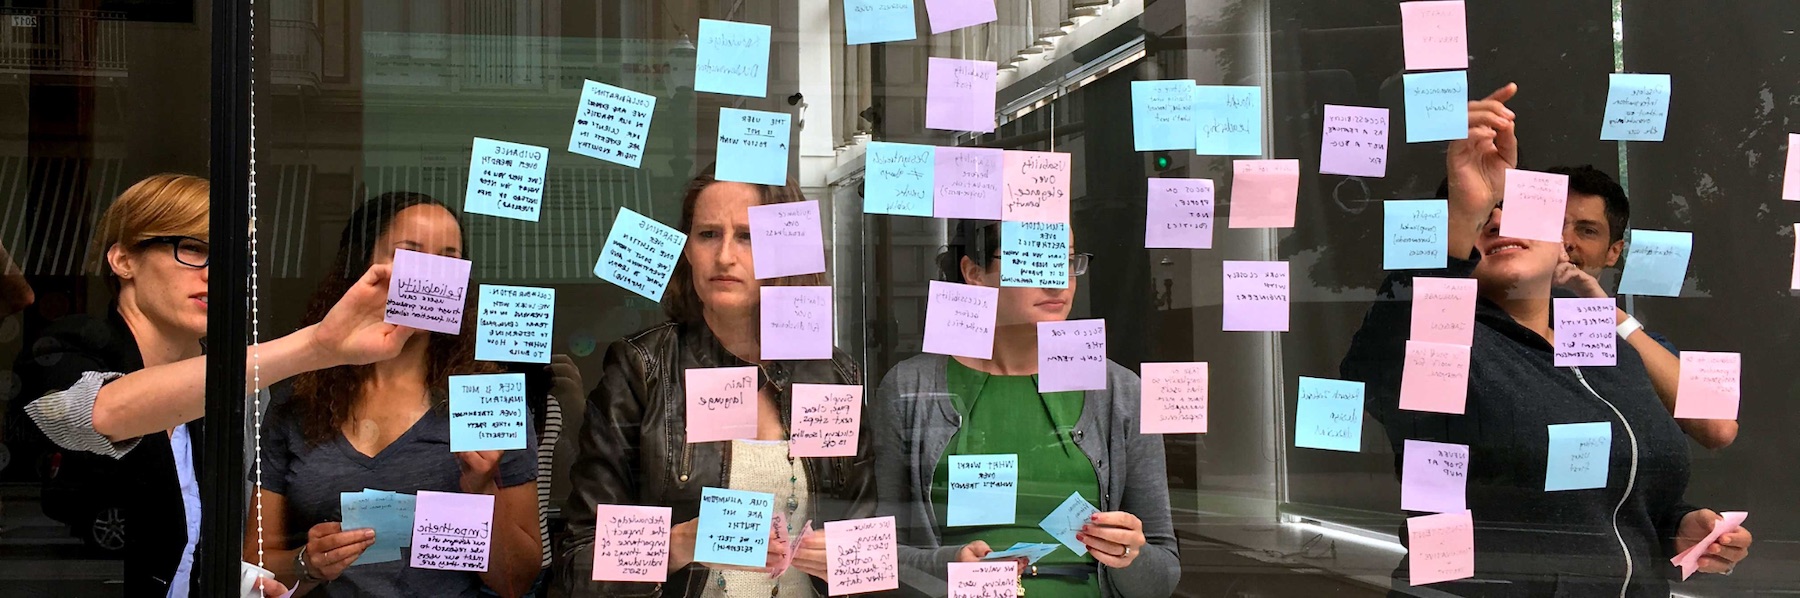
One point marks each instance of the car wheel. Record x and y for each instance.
(106, 533)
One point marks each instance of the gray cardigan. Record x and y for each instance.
(914, 419)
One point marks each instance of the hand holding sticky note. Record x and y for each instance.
(984, 490)
(1689, 560)
(734, 527)
(984, 580)
(1068, 519)
(388, 514)
(426, 291)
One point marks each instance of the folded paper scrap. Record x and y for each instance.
(1689, 560)
(793, 544)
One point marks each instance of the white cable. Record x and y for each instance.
(256, 385)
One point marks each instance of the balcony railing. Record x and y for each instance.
(75, 42)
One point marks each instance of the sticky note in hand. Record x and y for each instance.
(426, 291)
(1067, 520)
(862, 555)
(451, 531)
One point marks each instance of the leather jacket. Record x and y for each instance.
(633, 450)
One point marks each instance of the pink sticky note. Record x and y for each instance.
(1790, 186)
(1440, 547)
(426, 291)
(1037, 187)
(450, 531)
(984, 580)
(631, 543)
(1689, 560)
(826, 418)
(1709, 385)
(721, 404)
(1436, 35)
(1071, 355)
(959, 94)
(1256, 296)
(1263, 193)
(1179, 214)
(791, 540)
(796, 322)
(1534, 205)
(785, 239)
(1174, 398)
(1586, 331)
(1434, 477)
(959, 319)
(950, 15)
(1444, 310)
(1796, 281)
(861, 555)
(1355, 141)
(1435, 377)
(967, 183)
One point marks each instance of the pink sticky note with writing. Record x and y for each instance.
(1174, 398)
(631, 543)
(1434, 477)
(1790, 186)
(1071, 355)
(1440, 547)
(1436, 35)
(1435, 377)
(791, 540)
(796, 322)
(1709, 385)
(826, 418)
(1037, 187)
(1179, 214)
(450, 531)
(426, 291)
(1444, 310)
(1586, 332)
(959, 319)
(1354, 142)
(967, 182)
(861, 555)
(785, 239)
(1263, 193)
(959, 94)
(984, 580)
(721, 404)
(950, 15)
(1689, 560)
(1534, 205)
(1256, 296)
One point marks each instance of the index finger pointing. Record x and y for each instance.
(1503, 94)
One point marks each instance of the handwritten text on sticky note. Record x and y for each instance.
(1656, 263)
(506, 179)
(1174, 398)
(1709, 385)
(1162, 115)
(1355, 141)
(1444, 310)
(734, 527)
(1067, 520)
(426, 291)
(1534, 205)
(899, 179)
(959, 94)
(1179, 214)
(1437, 106)
(1228, 120)
(984, 490)
(862, 555)
(1071, 355)
(1586, 332)
(452, 531)
(984, 580)
(631, 543)
(1435, 477)
(826, 418)
(950, 15)
(488, 413)
(1413, 234)
(753, 146)
(1263, 193)
(639, 254)
(785, 239)
(612, 124)
(1440, 547)
(796, 322)
(1435, 377)
(1637, 107)
(1256, 296)
(877, 21)
(968, 183)
(1037, 187)
(1435, 35)
(959, 319)
(1579, 456)
(514, 323)
(1329, 415)
(732, 58)
(388, 514)
(1034, 254)
(721, 403)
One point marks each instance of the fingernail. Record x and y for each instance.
(1094, 517)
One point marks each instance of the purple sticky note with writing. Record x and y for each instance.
(1256, 296)
(959, 319)
(1179, 214)
(959, 95)
(1587, 332)
(1435, 477)
(1072, 355)
(796, 322)
(785, 239)
(968, 183)
(1263, 193)
(950, 15)
(451, 531)
(1355, 141)
(427, 291)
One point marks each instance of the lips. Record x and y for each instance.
(201, 297)
(726, 279)
(1052, 303)
(1503, 245)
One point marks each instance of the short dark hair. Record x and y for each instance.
(1587, 180)
(977, 240)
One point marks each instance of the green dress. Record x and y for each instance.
(1007, 415)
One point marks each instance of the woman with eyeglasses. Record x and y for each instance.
(132, 385)
(932, 407)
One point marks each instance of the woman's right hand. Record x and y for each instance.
(354, 331)
(973, 552)
(681, 544)
(330, 549)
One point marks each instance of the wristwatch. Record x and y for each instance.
(306, 575)
(1629, 326)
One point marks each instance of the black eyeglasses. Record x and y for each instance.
(1078, 263)
(189, 251)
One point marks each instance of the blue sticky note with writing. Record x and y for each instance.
(734, 527)
(389, 514)
(1637, 107)
(984, 490)
(876, 21)
(898, 179)
(487, 413)
(1067, 520)
(1579, 456)
(1656, 262)
(1034, 254)
(1030, 551)
(1162, 115)
(1228, 120)
(732, 58)
(753, 146)
(514, 323)
(1329, 415)
(1414, 233)
(1437, 106)
(639, 254)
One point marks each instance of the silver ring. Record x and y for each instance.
(1127, 552)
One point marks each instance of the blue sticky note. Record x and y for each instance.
(514, 323)
(1030, 551)
(732, 58)
(1162, 115)
(1656, 263)
(984, 490)
(1437, 106)
(612, 124)
(1228, 120)
(1329, 415)
(875, 21)
(487, 413)
(639, 254)
(389, 514)
(1034, 254)
(1579, 456)
(1068, 519)
(899, 179)
(1637, 107)
(753, 146)
(1414, 233)
(734, 527)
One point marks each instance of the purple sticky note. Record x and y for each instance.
(959, 319)
(1435, 477)
(1535, 204)
(785, 239)
(796, 322)
(1256, 296)
(968, 182)
(825, 420)
(1587, 332)
(1355, 141)
(950, 15)
(1072, 355)
(1435, 34)
(1263, 193)
(1179, 214)
(959, 95)
(426, 291)
(451, 531)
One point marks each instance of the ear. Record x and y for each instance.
(120, 262)
(1614, 251)
(972, 273)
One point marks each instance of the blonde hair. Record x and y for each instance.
(163, 205)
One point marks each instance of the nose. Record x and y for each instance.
(1493, 223)
(728, 253)
(206, 273)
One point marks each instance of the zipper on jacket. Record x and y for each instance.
(1630, 479)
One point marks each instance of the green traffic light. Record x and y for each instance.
(1162, 162)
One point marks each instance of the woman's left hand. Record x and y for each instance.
(1113, 537)
(1723, 555)
(478, 470)
(810, 557)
